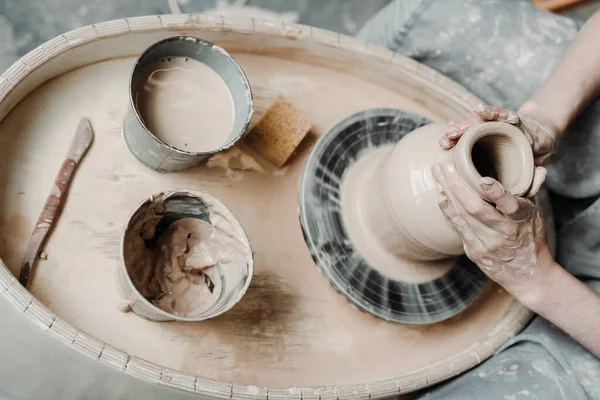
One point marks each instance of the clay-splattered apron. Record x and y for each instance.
(503, 51)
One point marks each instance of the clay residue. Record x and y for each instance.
(181, 268)
(235, 161)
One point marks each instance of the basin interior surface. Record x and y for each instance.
(291, 328)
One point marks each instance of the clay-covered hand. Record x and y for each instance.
(507, 241)
(541, 133)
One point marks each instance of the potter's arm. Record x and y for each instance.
(574, 83)
(507, 241)
(566, 302)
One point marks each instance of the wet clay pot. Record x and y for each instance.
(396, 196)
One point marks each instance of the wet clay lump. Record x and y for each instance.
(178, 274)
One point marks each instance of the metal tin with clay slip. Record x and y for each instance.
(161, 156)
(230, 276)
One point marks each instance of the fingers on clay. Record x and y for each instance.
(446, 143)
(512, 118)
(453, 131)
(446, 190)
(539, 176)
(468, 198)
(505, 202)
(459, 224)
(456, 129)
(493, 113)
(474, 219)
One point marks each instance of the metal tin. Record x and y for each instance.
(153, 152)
(173, 205)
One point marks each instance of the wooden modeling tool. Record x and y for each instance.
(554, 5)
(55, 201)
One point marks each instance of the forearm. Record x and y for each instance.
(566, 302)
(574, 83)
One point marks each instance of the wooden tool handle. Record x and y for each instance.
(55, 201)
(52, 208)
(552, 5)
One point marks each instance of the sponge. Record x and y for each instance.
(279, 131)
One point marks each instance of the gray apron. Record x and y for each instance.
(503, 51)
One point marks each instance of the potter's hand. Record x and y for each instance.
(540, 132)
(506, 241)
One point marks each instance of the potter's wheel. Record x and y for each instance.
(291, 336)
(338, 258)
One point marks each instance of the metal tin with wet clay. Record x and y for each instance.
(156, 270)
(162, 156)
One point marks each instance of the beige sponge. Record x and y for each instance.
(279, 131)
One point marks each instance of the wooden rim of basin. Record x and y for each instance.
(33, 69)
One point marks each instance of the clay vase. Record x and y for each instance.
(397, 197)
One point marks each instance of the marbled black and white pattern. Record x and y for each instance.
(334, 253)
